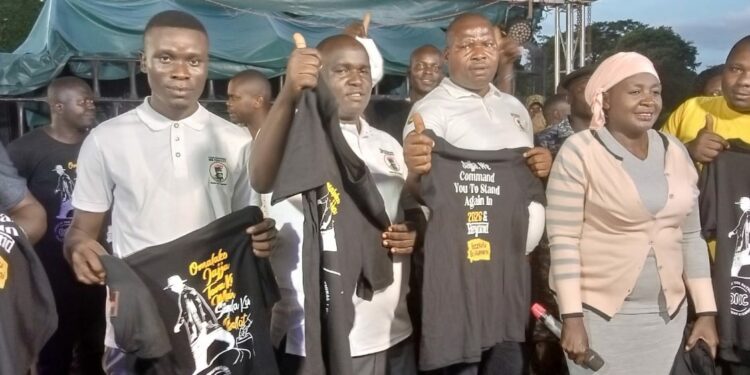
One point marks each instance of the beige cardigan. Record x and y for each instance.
(600, 233)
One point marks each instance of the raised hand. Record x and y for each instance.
(418, 148)
(707, 144)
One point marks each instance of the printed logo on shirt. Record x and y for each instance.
(478, 250)
(518, 121)
(7, 240)
(211, 314)
(741, 234)
(477, 223)
(64, 190)
(390, 161)
(4, 269)
(217, 170)
(739, 298)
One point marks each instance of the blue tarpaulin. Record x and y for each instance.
(243, 33)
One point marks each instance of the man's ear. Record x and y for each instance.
(142, 57)
(259, 101)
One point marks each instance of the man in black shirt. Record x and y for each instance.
(425, 73)
(46, 158)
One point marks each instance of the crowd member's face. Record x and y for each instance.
(577, 98)
(535, 109)
(347, 72)
(472, 55)
(557, 113)
(735, 81)
(176, 62)
(242, 101)
(633, 105)
(425, 71)
(77, 107)
(713, 86)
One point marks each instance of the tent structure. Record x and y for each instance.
(243, 33)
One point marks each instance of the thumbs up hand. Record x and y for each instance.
(707, 145)
(359, 28)
(418, 148)
(303, 67)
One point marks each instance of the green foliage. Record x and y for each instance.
(16, 19)
(673, 57)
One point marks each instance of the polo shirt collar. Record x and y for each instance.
(457, 91)
(156, 121)
(364, 127)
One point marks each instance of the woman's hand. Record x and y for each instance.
(574, 340)
(704, 329)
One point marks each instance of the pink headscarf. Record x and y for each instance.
(610, 72)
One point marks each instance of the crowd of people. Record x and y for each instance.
(397, 236)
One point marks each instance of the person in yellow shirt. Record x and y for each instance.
(705, 123)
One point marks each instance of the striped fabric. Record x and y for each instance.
(600, 233)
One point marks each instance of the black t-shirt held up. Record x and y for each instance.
(213, 296)
(476, 288)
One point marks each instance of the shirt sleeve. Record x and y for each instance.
(431, 116)
(12, 186)
(244, 194)
(674, 124)
(566, 191)
(94, 185)
(697, 269)
(376, 59)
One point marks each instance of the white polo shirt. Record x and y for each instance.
(380, 323)
(166, 178)
(466, 120)
(384, 321)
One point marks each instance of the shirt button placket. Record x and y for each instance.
(178, 151)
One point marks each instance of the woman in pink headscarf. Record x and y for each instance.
(624, 231)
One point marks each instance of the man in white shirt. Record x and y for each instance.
(379, 339)
(469, 112)
(166, 168)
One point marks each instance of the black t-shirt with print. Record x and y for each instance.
(214, 297)
(725, 216)
(27, 309)
(49, 168)
(476, 288)
(344, 219)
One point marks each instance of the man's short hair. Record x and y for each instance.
(423, 48)
(703, 77)
(176, 19)
(252, 75)
(555, 100)
(59, 85)
(585, 71)
(744, 42)
(450, 30)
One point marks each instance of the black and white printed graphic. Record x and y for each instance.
(64, 191)
(741, 234)
(202, 326)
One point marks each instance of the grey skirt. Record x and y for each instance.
(644, 344)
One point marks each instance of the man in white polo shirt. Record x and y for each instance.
(379, 339)
(469, 112)
(166, 168)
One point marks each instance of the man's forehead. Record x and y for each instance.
(347, 55)
(163, 35)
(471, 28)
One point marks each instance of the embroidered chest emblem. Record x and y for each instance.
(217, 170)
(390, 161)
